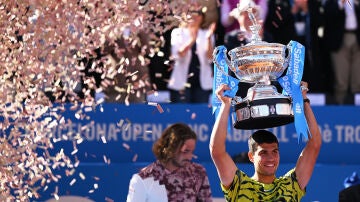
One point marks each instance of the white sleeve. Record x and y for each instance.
(137, 190)
(263, 9)
(225, 12)
(177, 39)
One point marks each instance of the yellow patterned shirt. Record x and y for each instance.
(243, 189)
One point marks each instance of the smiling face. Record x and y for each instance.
(266, 160)
(195, 18)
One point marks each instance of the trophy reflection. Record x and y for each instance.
(258, 63)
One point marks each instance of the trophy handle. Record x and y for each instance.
(288, 57)
(219, 66)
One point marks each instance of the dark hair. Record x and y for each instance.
(260, 137)
(172, 138)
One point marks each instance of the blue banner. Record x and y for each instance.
(129, 132)
(118, 141)
(291, 85)
(221, 76)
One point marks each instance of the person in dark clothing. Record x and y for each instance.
(342, 39)
(351, 193)
(279, 25)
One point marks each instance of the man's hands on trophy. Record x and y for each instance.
(220, 94)
(304, 87)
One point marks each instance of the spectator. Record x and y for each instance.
(342, 37)
(160, 65)
(211, 13)
(289, 20)
(242, 36)
(172, 177)
(229, 14)
(351, 192)
(279, 25)
(128, 83)
(191, 49)
(229, 22)
(321, 75)
(302, 33)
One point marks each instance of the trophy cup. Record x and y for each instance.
(259, 63)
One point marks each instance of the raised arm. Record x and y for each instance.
(224, 164)
(307, 159)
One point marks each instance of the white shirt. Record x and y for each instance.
(179, 74)
(151, 190)
(350, 20)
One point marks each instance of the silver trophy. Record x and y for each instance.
(259, 63)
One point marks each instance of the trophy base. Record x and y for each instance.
(263, 113)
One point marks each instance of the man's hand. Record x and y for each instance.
(304, 86)
(220, 94)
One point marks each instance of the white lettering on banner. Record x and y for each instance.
(348, 133)
(89, 132)
(149, 132)
(94, 132)
(243, 135)
(286, 84)
(101, 129)
(112, 135)
(239, 135)
(219, 79)
(297, 60)
(146, 132)
(202, 131)
(137, 132)
(280, 133)
(326, 134)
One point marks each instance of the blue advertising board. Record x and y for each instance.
(126, 133)
(118, 141)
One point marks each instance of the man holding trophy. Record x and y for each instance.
(260, 63)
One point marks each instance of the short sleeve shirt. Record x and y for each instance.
(154, 183)
(243, 189)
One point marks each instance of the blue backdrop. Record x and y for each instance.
(130, 131)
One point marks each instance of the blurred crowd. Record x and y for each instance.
(328, 29)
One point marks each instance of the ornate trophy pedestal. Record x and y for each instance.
(263, 108)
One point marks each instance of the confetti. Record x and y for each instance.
(135, 158)
(82, 176)
(72, 182)
(107, 199)
(160, 109)
(153, 104)
(126, 146)
(103, 139)
(44, 66)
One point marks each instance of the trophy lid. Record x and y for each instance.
(257, 58)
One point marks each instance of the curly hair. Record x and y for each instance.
(172, 138)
